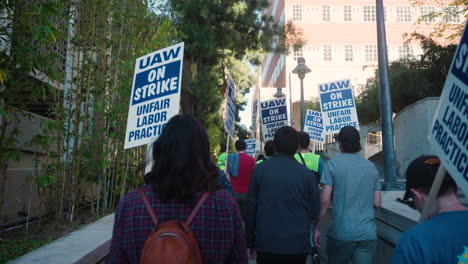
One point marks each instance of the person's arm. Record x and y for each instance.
(325, 197)
(377, 187)
(377, 199)
(239, 248)
(116, 253)
(251, 215)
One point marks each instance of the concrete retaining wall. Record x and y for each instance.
(411, 128)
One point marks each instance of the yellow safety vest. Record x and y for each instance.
(311, 160)
(221, 161)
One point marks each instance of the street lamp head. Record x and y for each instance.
(301, 69)
(279, 93)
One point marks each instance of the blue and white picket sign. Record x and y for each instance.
(338, 106)
(449, 132)
(230, 117)
(155, 94)
(251, 147)
(313, 125)
(254, 115)
(274, 116)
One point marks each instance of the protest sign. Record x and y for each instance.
(449, 131)
(274, 116)
(230, 117)
(251, 147)
(338, 106)
(254, 115)
(155, 96)
(313, 125)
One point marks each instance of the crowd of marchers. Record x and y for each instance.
(191, 210)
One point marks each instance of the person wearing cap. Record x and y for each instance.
(308, 159)
(354, 184)
(443, 238)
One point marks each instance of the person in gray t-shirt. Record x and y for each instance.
(354, 183)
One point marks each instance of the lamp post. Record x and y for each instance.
(279, 93)
(301, 70)
(385, 102)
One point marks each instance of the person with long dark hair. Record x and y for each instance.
(182, 171)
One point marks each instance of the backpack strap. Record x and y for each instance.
(148, 207)
(197, 207)
(302, 159)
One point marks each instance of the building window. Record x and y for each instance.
(385, 13)
(451, 14)
(347, 13)
(297, 13)
(371, 53)
(369, 13)
(405, 52)
(327, 53)
(325, 13)
(428, 14)
(348, 52)
(403, 13)
(298, 53)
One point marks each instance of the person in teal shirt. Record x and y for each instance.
(443, 238)
(304, 156)
(269, 151)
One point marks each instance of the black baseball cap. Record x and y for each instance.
(421, 174)
(348, 134)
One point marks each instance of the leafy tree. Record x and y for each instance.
(216, 34)
(410, 80)
(27, 35)
(444, 15)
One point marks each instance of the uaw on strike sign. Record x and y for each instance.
(338, 107)
(313, 125)
(155, 94)
(449, 133)
(274, 116)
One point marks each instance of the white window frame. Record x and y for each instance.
(370, 52)
(451, 14)
(327, 53)
(369, 13)
(297, 12)
(347, 13)
(403, 14)
(326, 13)
(298, 52)
(349, 54)
(405, 52)
(425, 11)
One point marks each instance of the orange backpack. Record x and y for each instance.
(173, 241)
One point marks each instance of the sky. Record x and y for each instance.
(246, 115)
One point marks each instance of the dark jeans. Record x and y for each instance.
(241, 199)
(358, 252)
(267, 258)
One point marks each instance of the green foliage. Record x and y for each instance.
(444, 29)
(221, 38)
(410, 80)
(13, 248)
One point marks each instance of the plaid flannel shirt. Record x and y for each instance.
(217, 227)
